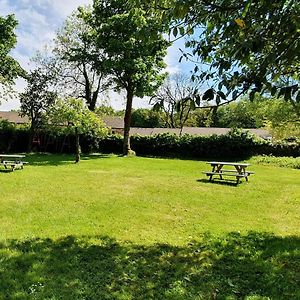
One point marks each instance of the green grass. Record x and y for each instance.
(143, 228)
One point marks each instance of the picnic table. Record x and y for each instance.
(239, 170)
(12, 161)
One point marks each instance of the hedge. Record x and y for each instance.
(235, 144)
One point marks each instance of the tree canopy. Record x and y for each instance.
(245, 46)
(70, 64)
(71, 116)
(9, 67)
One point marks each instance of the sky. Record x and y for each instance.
(38, 22)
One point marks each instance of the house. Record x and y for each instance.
(13, 117)
(117, 126)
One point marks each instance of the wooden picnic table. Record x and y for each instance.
(12, 160)
(239, 170)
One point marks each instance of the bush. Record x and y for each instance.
(285, 161)
(236, 144)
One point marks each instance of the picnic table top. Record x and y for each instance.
(11, 156)
(227, 163)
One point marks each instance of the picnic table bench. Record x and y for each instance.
(217, 170)
(13, 161)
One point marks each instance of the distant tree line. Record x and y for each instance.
(274, 114)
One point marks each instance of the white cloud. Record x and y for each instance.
(38, 23)
(65, 7)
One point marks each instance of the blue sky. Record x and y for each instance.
(38, 23)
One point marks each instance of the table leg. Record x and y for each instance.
(211, 176)
(219, 170)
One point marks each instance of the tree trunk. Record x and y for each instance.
(30, 137)
(78, 149)
(127, 121)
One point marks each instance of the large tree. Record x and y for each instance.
(69, 62)
(132, 48)
(9, 67)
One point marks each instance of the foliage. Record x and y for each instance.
(235, 144)
(71, 117)
(107, 110)
(278, 116)
(69, 62)
(67, 115)
(287, 162)
(9, 67)
(248, 46)
(36, 100)
(130, 48)
(146, 118)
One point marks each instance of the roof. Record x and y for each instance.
(195, 131)
(113, 121)
(118, 123)
(13, 117)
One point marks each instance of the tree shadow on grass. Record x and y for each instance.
(45, 159)
(234, 266)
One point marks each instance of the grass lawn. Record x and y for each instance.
(143, 228)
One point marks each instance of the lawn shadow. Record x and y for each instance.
(6, 170)
(47, 159)
(219, 182)
(233, 266)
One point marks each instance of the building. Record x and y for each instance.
(13, 117)
(117, 126)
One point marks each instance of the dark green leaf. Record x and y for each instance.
(222, 95)
(208, 95)
(175, 31)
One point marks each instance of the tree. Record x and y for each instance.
(36, 100)
(147, 118)
(176, 99)
(69, 62)
(71, 116)
(249, 46)
(9, 67)
(130, 40)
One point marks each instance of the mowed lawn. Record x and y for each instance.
(143, 200)
(143, 228)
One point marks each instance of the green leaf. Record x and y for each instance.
(156, 107)
(192, 104)
(252, 95)
(235, 94)
(175, 31)
(222, 95)
(273, 90)
(178, 106)
(298, 97)
(181, 30)
(245, 11)
(208, 95)
(198, 99)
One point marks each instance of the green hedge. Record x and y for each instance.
(235, 144)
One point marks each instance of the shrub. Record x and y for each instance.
(236, 144)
